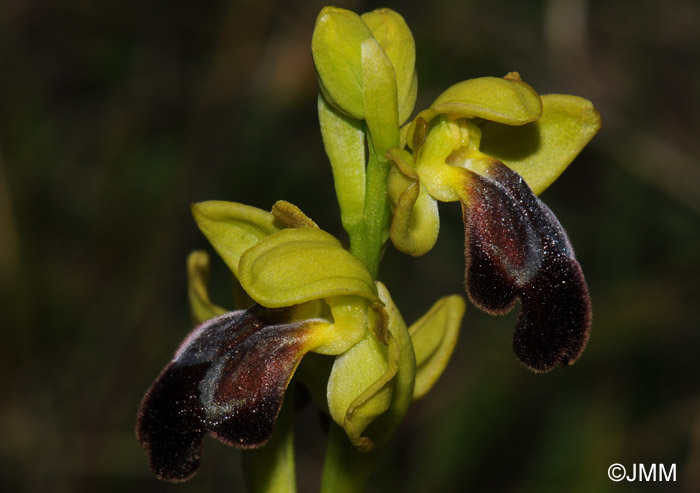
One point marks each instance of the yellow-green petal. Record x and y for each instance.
(542, 150)
(353, 317)
(201, 306)
(291, 216)
(395, 38)
(336, 46)
(434, 338)
(298, 265)
(439, 178)
(416, 220)
(232, 228)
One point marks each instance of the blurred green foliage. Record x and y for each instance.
(114, 116)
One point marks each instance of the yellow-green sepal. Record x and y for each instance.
(336, 49)
(540, 151)
(434, 338)
(416, 221)
(395, 38)
(508, 100)
(232, 228)
(201, 306)
(297, 265)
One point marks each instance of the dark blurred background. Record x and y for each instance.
(116, 115)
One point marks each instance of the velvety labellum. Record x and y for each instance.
(517, 249)
(228, 380)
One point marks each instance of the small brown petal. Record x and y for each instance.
(517, 249)
(227, 379)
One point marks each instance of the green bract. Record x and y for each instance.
(344, 140)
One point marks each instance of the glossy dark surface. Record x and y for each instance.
(227, 379)
(516, 249)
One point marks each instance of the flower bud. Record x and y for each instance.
(336, 46)
(395, 38)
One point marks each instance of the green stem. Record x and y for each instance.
(368, 242)
(346, 469)
(270, 469)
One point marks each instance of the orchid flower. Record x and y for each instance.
(493, 144)
(230, 374)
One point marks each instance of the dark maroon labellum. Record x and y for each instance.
(517, 249)
(228, 380)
